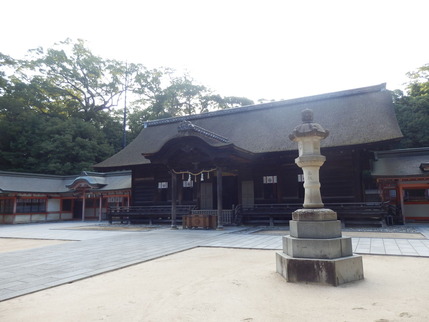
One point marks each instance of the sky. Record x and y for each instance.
(266, 49)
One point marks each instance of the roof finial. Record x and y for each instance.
(308, 127)
(307, 115)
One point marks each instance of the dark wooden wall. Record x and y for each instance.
(341, 179)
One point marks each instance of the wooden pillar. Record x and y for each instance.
(83, 204)
(100, 207)
(173, 200)
(401, 198)
(219, 199)
(15, 201)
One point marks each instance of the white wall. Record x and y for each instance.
(54, 205)
(416, 210)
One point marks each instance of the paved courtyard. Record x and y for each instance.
(91, 252)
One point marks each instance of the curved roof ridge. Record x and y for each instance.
(306, 99)
(186, 126)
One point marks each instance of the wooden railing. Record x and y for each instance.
(146, 214)
(262, 214)
(349, 213)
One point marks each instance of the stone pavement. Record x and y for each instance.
(93, 252)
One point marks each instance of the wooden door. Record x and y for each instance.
(206, 195)
(247, 193)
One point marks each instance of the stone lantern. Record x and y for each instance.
(315, 251)
(308, 135)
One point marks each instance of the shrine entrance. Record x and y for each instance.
(77, 209)
(208, 193)
(229, 191)
(206, 162)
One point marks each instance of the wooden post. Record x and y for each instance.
(83, 204)
(15, 201)
(173, 200)
(219, 199)
(401, 198)
(100, 207)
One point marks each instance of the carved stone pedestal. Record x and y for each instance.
(316, 252)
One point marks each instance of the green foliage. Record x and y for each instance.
(58, 107)
(419, 82)
(71, 74)
(163, 95)
(412, 109)
(234, 101)
(35, 142)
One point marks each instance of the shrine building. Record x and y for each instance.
(29, 197)
(237, 166)
(403, 179)
(239, 163)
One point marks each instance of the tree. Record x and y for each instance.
(58, 107)
(234, 101)
(54, 111)
(69, 73)
(32, 141)
(166, 95)
(163, 95)
(419, 81)
(412, 109)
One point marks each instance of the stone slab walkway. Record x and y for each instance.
(94, 252)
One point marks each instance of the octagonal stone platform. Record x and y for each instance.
(316, 252)
(321, 271)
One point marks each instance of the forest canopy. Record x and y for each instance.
(62, 108)
(412, 109)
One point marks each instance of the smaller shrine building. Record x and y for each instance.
(29, 197)
(403, 180)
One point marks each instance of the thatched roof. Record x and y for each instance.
(353, 117)
(401, 163)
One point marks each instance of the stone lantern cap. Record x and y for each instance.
(308, 127)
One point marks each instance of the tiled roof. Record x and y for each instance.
(401, 163)
(42, 183)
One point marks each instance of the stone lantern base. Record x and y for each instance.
(316, 252)
(321, 271)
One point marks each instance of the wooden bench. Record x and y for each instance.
(146, 214)
(359, 213)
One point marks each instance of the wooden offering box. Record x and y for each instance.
(199, 221)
